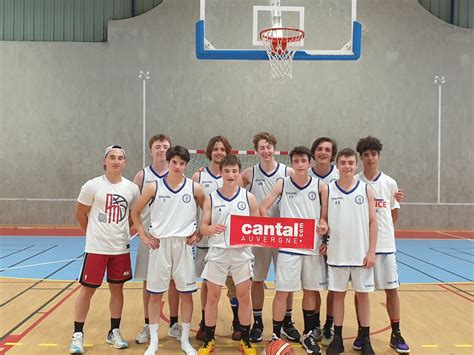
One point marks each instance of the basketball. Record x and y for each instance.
(279, 347)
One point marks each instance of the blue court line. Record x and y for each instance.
(419, 261)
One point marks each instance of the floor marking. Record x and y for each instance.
(45, 344)
(31, 265)
(463, 346)
(13, 344)
(430, 346)
(88, 345)
(452, 235)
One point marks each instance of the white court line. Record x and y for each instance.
(452, 235)
(30, 265)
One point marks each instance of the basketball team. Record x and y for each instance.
(183, 226)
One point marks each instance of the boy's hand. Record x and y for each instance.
(217, 228)
(369, 260)
(399, 195)
(151, 242)
(322, 229)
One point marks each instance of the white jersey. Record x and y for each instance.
(301, 202)
(108, 229)
(173, 212)
(149, 175)
(262, 183)
(331, 176)
(210, 183)
(384, 188)
(348, 219)
(221, 210)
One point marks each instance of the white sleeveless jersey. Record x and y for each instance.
(221, 210)
(262, 183)
(332, 175)
(108, 226)
(173, 213)
(348, 219)
(210, 183)
(149, 175)
(384, 188)
(301, 202)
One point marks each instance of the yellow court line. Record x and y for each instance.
(46, 344)
(88, 345)
(463, 346)
(430, 346)
(13, 344)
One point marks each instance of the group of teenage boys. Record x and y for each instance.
(183, 229)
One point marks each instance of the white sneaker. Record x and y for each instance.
(115, 338)
(152, 349)
(144, 335)
(77, 343)
(187, 348)
(175, 331)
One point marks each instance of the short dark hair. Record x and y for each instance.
(369, 143)
(270, 138)
(230, 159)
(212, 143)
(320, 140)
(300, 150)
(180, 151)
(346, 152)
(157, 138)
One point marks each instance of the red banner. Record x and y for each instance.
(294, 233)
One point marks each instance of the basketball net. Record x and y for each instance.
(281, 44)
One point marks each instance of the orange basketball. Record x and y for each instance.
(279, 347)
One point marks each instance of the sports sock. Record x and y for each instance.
(317, 320)
(364, 332)
(114, 323)
(78, 327)
(173, 320)
(309, 318)
(185, 333)
(147, 320)
(329, 322)
(257, 318)
(245, 331)
(288, 316)
(234, 304)
(203, 315)
(210, 333)
(395, 323)
(154, 334)
(277, 328)
(338, 330)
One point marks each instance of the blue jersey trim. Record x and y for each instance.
(213, 176)
(377, 177)
(173, 191)
(348, 192)
(345, 265)
(192, 291)
(322, 176)
(385, 253)
(291, 253)
(156, 174)
(229, 199)
(299, 187)
(271, 174)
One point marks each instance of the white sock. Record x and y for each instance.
(154, 334)
(185, 345)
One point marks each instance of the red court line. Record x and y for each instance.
(14, 338)
(454, 292)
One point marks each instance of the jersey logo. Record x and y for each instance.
(116, 208)
(241, 205)
(312, 195)
(186, 198)
(359, 199)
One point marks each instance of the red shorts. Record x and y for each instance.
(118, 268)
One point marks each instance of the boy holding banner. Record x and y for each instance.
(222, 258)
(301, 196)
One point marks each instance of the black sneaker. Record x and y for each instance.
(290, 332)
(236, 331)
(310, 344)
(398, 343)
(256, 333)
(336, 346)
(367, 347)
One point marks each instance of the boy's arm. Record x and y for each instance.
(199, 196)
(207, 228)
(253, 205)
(82, 218)
(322, 227)
(369, 260)
(290, 172)
(138, 179)
(246, 177)
(395, 199)
(147, 194)
(267, 202)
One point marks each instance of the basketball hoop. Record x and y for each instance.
(280, 44)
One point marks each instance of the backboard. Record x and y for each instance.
(230, 29)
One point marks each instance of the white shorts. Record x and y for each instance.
(220, 262)
(199, 259)
(294, 272)
(172, 260)
(141, 263)
(362, 278)
(263, 258)
(385, 272)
